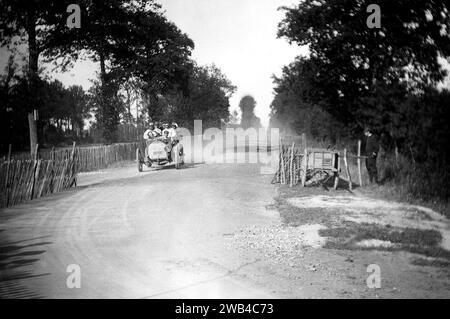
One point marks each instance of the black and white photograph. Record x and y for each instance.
(224, 155)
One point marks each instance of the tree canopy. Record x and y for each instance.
(350, 64)
(356, 76)
(248, 117)
(131, 40)
(207, 98)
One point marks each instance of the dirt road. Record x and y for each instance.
(157, 234)
(210, 231)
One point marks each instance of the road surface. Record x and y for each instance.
(216, 231)
(156, 234)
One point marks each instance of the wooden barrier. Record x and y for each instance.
(55, 170)
(23, 180)
(350, 185)
(290, 160)
(99, 157)
(299, 163)
(89, 158)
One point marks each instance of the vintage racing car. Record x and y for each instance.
(158, 154)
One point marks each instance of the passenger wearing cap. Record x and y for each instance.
(156, 130)
(165, 128)
(149, 133)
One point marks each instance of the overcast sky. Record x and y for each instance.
(239, 36)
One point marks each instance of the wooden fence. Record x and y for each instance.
(289, 166)
(22, 180)
(88, 158)
(99, 157)
(294, 159)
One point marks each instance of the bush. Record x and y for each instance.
(426, 181)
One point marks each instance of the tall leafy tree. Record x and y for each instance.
(129, 39)
(207, 98)
(354, 63)
(248, 117)
(296, 108)
(383, 77)
(30, 23)
(107, 106)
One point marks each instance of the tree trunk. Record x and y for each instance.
(33, 58)
(109, 119)
(33, 134)
(102, 68)
(33, 75)
(128, 89)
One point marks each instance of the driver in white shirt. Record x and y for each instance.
(173, 131)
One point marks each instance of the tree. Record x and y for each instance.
(206, 98)
(61, 116)
(354, 63)
(294, 107)
(248, 117)
(210, 92)
(383, 77)
(107, 106)
(9, 113)
(130, 40)
(130, 94)
(30, 22)
(78, 107)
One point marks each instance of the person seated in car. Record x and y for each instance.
(149, 134)
(166, 140)
(157, 131)
(165, 137)
(173, 132)
(165, 127)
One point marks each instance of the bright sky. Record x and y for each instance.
(239, 36)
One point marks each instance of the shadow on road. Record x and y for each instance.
(16, 262)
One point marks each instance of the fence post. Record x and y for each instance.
(277, 176)
(291, 171)
(73, 173)
(283, 171)
(337, 157)
(305, 166)
(304, 140)
(359, 163)
(34, 171)
(7, 176)
(52, 171)
(350, 186)
(33, 133)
